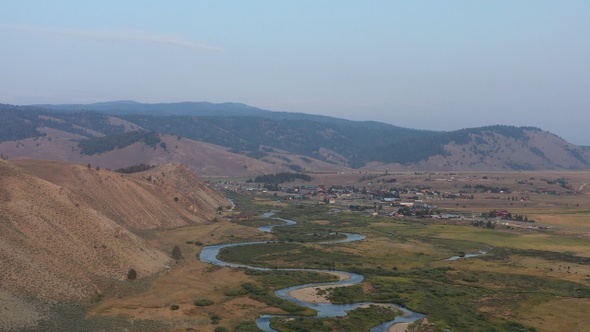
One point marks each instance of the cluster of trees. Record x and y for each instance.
(108, 143)
(356, 207)
(271, 186)
(279, 178)
(517, 217)
(20, 122)
(506, 216)
(485, 224)
(483, 188)
(562, 182)
(417, 212)
(15, 125)
(77, 123)
(257, 154)
(135, 168)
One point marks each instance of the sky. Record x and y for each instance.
(437, 65)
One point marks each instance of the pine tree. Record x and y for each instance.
(176, 253)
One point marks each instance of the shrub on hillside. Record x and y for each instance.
(131, 274)
(202, 302)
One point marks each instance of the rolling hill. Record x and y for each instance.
(70, 233)
(239, 140)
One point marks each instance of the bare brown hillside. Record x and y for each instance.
(203, 159)
(56, 245)
(165, 197)
(68, 231)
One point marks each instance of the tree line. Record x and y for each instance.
(108, 143)
(135, 168)
(280, 178)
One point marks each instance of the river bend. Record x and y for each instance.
(209, 255)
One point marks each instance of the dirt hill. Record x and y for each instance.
(69, 232)
(164, 197)
(203, 159)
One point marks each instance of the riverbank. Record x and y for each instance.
(399, 327)
(310, 294)
(403, 327)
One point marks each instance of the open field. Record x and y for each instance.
(531, 279)
(190, 280)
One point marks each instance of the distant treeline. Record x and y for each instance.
(352, 143)
(20, 122)
(280, 178)
(135, 168)
(17, 125)
(108, 143)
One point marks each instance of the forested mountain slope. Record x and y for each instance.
(261, 141)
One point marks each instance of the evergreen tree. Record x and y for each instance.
(176, 253)
(132, 274)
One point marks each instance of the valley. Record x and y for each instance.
(295, 166)
(105, 214)
(532, 278)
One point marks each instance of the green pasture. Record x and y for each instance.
(405, 261)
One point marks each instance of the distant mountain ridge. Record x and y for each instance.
(203, 108)
(125, 107)
(275, 139)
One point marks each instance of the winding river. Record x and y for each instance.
(209, 255)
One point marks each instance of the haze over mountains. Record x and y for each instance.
(231, 139)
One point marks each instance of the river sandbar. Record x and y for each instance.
(310, 294)
(399, 327)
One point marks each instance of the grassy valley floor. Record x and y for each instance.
(530, 279)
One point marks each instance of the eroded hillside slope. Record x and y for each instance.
(202, 158)
(164, 197)
(55, 245)
(69, 232)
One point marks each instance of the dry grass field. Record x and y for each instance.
(189, 280)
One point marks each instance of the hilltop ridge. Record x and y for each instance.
(231, 139)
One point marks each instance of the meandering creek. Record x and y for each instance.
(209, 255)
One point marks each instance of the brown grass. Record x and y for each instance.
(204, 159)
(189, 280)
(564, 314)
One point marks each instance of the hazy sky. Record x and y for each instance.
(440, 65)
